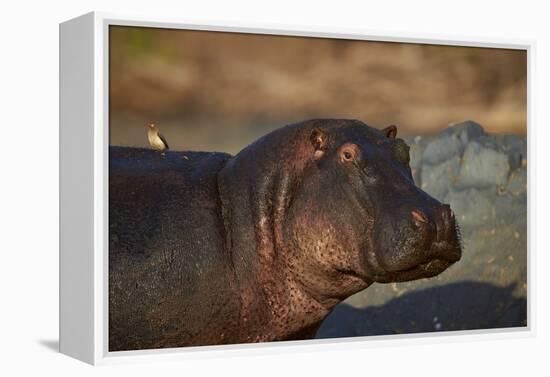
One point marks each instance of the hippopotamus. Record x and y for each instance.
(206, 248)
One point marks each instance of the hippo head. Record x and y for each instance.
(335, 204)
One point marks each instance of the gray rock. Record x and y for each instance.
(438, 180)
(465, 131)
(442, 148)
(517, 182)
(510, 208)
(483, 166)
(416, 152)
(451, 142)
(472, 207)
(515, 147)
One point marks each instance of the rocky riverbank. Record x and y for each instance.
(484, 179)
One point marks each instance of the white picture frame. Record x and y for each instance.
(84, 126)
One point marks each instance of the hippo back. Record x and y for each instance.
(166, 243)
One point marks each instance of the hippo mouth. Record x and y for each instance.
(428, 269)
(427, 249)
(424, 270)
(444, 255)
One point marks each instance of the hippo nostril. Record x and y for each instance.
(445, 223)
(447, 214)
(419, 216)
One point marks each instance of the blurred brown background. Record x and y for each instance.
(221, 91)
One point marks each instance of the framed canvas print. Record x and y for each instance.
(234, 189)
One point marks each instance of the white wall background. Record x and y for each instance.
(29, 184)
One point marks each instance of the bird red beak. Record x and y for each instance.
(151, 125)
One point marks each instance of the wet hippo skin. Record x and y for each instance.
(209, 248)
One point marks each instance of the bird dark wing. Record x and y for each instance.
(164, 141)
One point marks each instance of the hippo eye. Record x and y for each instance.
(348, 152)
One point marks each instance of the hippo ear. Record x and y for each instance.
(318, 139)
(390, 131)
